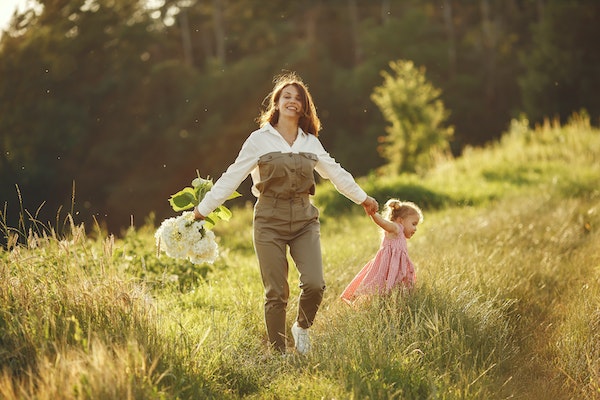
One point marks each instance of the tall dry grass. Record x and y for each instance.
(506, 304)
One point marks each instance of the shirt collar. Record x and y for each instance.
(268, 127)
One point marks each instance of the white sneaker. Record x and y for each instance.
(301, 339)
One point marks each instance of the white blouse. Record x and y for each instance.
(266, 140)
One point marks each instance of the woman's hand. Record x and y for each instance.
(197, 215)
(370, 205)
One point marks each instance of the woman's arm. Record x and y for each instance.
(342, 180)
(386, 225)
(230, 180)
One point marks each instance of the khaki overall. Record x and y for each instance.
(284, 216)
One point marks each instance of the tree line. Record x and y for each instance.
(107, 108)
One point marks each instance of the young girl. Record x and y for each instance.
(391, 266)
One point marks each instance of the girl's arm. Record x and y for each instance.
(386, 225)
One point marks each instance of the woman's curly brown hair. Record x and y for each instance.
(309, 121)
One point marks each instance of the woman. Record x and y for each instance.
(281, 157)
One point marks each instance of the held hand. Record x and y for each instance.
(197, 215)
(370, 205)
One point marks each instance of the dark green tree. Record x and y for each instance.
(562, 66)
(81, 109)
(128, 102)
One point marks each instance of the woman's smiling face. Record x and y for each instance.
(290, 102)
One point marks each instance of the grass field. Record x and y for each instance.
(507, 303)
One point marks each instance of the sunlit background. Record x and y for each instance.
(108, 107)
(7, 8)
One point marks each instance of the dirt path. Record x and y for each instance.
(533, 375)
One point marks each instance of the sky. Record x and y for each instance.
(7, 8)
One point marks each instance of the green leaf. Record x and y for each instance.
(189, 197)
(184, 200)
(198, 182)
(223, 213)
(234, 195)
(209, 222)
(201, 187)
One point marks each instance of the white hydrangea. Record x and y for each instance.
(184, 238)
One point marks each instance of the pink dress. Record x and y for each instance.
(389, 268)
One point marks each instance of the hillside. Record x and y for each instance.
(507, 303)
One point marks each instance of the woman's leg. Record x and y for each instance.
(305, 250)
(272, 259)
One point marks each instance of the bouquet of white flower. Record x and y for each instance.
(185, 238)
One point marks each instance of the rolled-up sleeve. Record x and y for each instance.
(231, 179)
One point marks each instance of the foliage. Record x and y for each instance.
(189, 197)
(412, 106)
(78, 110)
(116, 98)
(559, 78)
(545, 155)
(505, 303)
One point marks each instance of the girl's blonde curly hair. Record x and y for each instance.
(395, 208)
